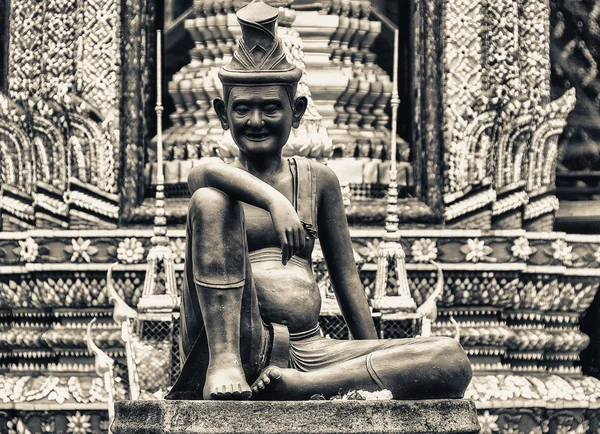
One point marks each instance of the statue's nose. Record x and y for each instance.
(255, 120)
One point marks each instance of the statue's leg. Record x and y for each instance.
(425, 368)
(219, 257)
(413, 369)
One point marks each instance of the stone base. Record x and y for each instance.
(306, 417)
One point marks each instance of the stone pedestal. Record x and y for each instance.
(306, 417)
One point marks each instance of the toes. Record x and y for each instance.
(231, 391)
(274, 374)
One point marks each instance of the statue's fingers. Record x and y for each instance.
(284, 252)
(285, 246)
(296, 234)
(291, 245)
(302, 237)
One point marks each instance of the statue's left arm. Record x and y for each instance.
(334, 236)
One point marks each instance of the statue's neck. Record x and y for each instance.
(262, 166)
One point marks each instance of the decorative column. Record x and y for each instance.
(154, 326)
(392, 294)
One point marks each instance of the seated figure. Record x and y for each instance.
(250, 303)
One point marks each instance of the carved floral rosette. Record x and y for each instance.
(516, 296)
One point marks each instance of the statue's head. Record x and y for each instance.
(259, 85)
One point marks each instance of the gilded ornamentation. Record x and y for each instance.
(16, 426)
(369, 250)
(28, 250)
(68, 81)
(59, 394)
(16, 147)
(25, 69)
(534, 47)
(544, 141)
(79, 424)
(549, 388)
(130, 251)
(521, 249)
(48, 427)
(563, 252)
(476, 251)
(488, 423)
(81, 250)
(498, 120)
(463, 57)
(424, 250)
(178, 249)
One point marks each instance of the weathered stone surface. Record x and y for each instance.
(402, 417)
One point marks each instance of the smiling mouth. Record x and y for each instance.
(257, 137)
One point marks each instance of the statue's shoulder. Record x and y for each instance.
(325, 177)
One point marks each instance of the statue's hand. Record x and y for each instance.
(288, 227)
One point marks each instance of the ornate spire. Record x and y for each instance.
(391, 262)
(159, 294)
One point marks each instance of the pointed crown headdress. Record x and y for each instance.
(259, 58)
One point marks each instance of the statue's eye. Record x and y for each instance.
(270, 109)
(242, 109)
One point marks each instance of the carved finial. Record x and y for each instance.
(160, 221)
(391, 222)
(391, 262)
(103, 363)
(429, 307)
(121, 310)
(159, 294)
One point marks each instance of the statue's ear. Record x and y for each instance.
(299, 108)
(219, 106)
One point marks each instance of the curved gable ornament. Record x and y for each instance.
(16, 149)
(49, 146)
(543, 147)
(91, 149)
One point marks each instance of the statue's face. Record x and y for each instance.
(260, 118)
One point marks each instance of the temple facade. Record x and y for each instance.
(478, 143)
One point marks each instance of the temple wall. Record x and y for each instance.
(501, 129)
(74, 144)
(63, 112)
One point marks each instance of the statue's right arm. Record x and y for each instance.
(245, 187)
(235, 183)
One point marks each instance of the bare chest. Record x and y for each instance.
(260, 232)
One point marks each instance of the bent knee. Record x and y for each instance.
(454, 363)
(207, 200)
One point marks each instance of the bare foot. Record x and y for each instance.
(278, 383)
(226, 383)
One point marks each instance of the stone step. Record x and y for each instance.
(306, 417)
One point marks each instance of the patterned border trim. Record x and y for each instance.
(135, 38)
(458, 249)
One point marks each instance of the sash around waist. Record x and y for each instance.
(298, 336)
(273, 254)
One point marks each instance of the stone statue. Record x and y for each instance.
(250, 303)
